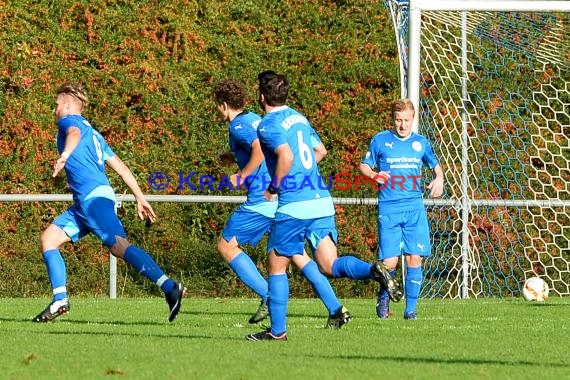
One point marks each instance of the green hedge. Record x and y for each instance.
(150, 67)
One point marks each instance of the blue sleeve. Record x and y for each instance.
(107, 152)
(429, 157)
(372, 153)
(65, 123)
(243, 135)
(315, 139)
(105, 148)
(270, 136)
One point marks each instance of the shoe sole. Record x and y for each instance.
(253, 338)
(389, 283)
(253, 320)
(396, 294)
(259, 316)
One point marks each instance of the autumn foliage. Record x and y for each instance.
(150, 67)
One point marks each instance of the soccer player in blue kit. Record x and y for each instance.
(398, 154)
(254, 218)
(84, 154)
(304, 213)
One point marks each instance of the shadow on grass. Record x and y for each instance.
(247, 315)
(80, 321)
(115, 333)
(547, 304)
(408, 359)
(142, 334)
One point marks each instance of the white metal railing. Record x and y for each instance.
(154, 198)
(240, 199)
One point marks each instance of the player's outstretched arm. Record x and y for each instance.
(366, 170)
(71, 141)
(379, 177)
(144, 208)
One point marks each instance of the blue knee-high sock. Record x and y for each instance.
(56, 273)
(414, 277)
(384, 293)
(321, 286)
(351, 267)
(277, 301)
(247, 272)
(146, 266)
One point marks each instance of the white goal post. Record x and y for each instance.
(491, 84)
(417, 6)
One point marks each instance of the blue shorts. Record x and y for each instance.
(288, 234)
(95, 215)
(406, 232)
(247, 226)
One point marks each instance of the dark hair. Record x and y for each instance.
(232, 92)
(274, 87)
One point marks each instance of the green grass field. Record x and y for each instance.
(132, 339)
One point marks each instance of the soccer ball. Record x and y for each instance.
(535, 289)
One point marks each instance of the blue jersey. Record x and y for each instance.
(302, 194)
(404, 159)
(242, 131)
(85, 167)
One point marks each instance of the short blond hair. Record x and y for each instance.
(75, 89)
(402, 105)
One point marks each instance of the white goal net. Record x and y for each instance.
(491, 80)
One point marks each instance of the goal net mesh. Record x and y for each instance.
(495, 101)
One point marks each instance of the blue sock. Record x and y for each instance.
(56, 273)
(146, 266)
(247, 272)
(384, 292)
(414, 277)
(351, 267)
(321, 286)
(277, 301)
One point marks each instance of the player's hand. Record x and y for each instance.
(236, 180)
(436, 187)
(58, 166)
(145, 211)
(381, 177)
(270, 197)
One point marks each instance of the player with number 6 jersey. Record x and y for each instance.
(299, 196)
(305, 212)
(254, 218)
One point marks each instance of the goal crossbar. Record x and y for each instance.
(491, 5)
